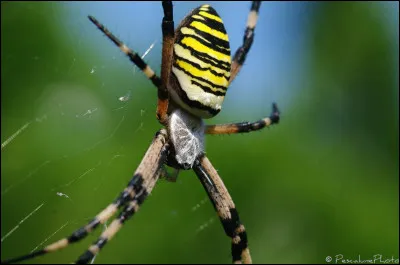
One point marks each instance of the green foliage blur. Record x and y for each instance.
(323, 182)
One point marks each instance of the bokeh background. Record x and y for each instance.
(77, 117)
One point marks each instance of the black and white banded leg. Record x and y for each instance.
(136, 191)
(225, 208)
(130, 209)
(133, 56)
(244, 127)
(241, 52)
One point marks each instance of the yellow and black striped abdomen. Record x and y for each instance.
(201, 63)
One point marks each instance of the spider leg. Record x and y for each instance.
(138, 61)
(166, 60)
(130, 209)
(242, 51)
(225, 208)
(142, 180)
(133, 56)
(244, 127)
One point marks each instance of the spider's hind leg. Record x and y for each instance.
(225, 208)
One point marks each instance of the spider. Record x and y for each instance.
(196, 70)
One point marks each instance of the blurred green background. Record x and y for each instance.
(323, 182)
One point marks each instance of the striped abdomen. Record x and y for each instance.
(201, 63)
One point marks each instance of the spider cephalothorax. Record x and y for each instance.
(196, 70)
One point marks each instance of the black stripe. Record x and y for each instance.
(229, 227)
(196, 104)
(85, 257)
(199, 78)
(135, 58)
(212, 11)
(241, 53)
(236, 252)
(207, 58)
(127, 213)
(196, 53)
(208, 90)
(210, 22)
(243, 127)
(141, 197)
(123, 197)
(136, 182)
(94, 223)
(168, 22)
(207, 19)
(275, 116)
(196, 65)
(209, 37)
(255, 6)
(101, 242)
(211, 45)
(77, 235)
(243, 240)
(226, 67)
(22, 258)
(156, 81)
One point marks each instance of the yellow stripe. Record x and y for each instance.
(209, 86)
(220, 81)
(196, 93)
(188, 31)
(198, 17)
(189, 41)
(200, 26)
(208, 15)
(185, 53)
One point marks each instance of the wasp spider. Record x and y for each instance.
(196, 71)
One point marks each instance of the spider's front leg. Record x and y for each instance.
(166, 61)
(241, 52)
(225, 208)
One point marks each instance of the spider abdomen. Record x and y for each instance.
(201, 63)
